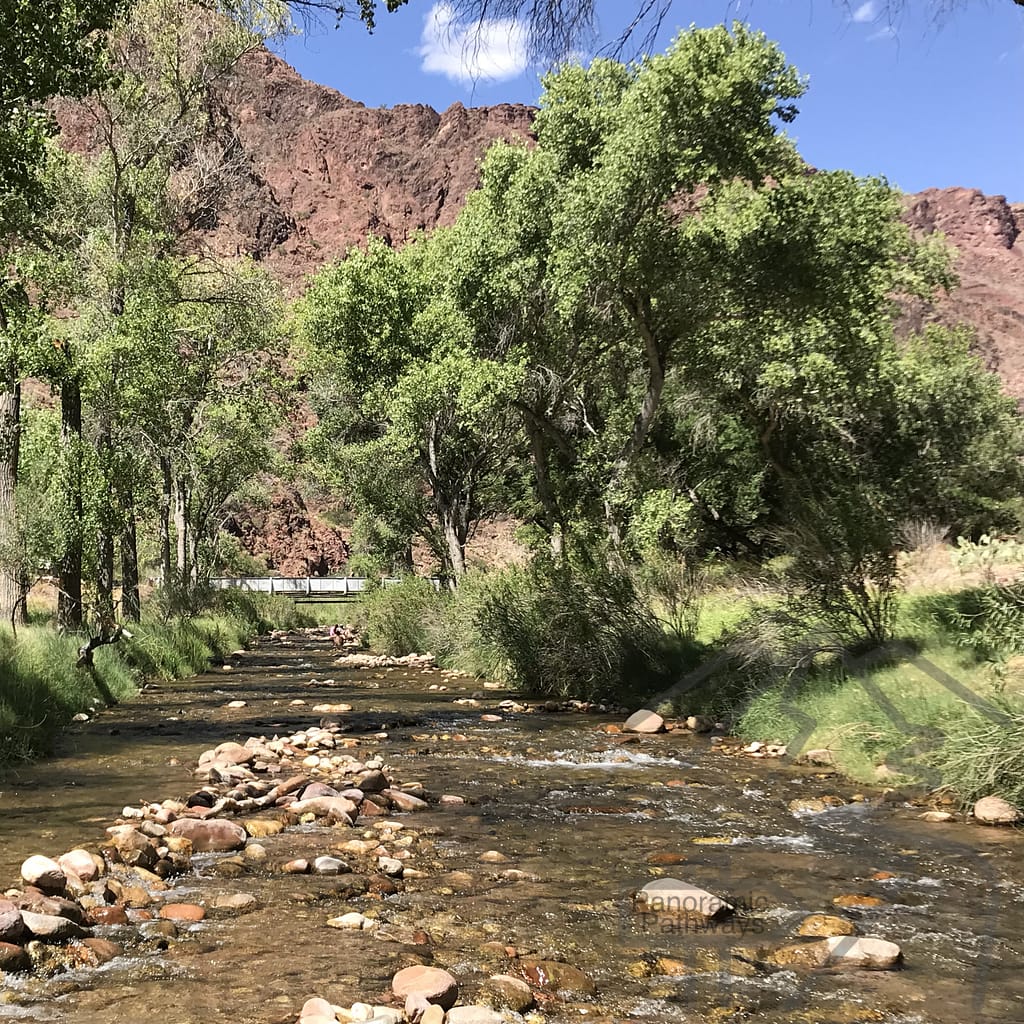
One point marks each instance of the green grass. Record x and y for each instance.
(41, 688)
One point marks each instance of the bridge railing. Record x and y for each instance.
(305, 586)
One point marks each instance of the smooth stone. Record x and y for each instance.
(433, 1014)
(391, 866)
(50, 928)
(81, 863)
(492, 857)
(334, 808)
(112, 915)
(299, 866)
(210, 834)
(936, 817)
(260, 828)
(329, 866)
(44, 873)
(316, 1005)
(235, 904)
(430, 983)
(12, 928)
(405, 801)
(558, 977)
(233, 753)
(103, 950)
(994, 810)
(254, 853)
(826, 925)
(182, 912)
(700, 723)
(868, 953)
(644, 721)
(672, 897)
(503, 991)
(821, 756)
(858, 900)
(14, 958)
(473, 1015)
(373, 781)
(158, 930)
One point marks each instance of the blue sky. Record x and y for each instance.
(921, 103)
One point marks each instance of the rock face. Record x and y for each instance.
(986, 232)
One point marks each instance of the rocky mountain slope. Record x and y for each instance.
(325, 171)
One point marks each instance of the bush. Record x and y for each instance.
(983, 754)
(580, 630)
(401, 617)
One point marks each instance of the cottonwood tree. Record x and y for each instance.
(47, 48)
(161, 165)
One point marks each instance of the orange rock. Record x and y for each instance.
(858, 899)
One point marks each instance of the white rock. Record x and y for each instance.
(644, 721)
(672, 897)
(44, 873)
(854, 951)
(994, 810)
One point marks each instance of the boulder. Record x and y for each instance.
(671, 897)
(233, 753)
(644, 721)
(12, 928)
(44, 874)
(994, 810)
(13, 958)
(430, 983)
(50, 928)
(211, 834)
(81, 863)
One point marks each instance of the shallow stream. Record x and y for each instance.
(586, 816)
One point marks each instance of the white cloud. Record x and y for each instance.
(490, 50)
(866, 11)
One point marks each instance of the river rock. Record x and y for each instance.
(211, 834)
(563, 979)
(869, 953)
(936, 817)
(700, 723)
(334, 808)
(50, 928)
(430, 983)
(233, 753)
(235, 904)
(102, 951)
(994, 810)
(44, 874)
(260, 828)
(674, 898)
(644, 721)
(315, 789)
(12, 928)
(317, 1007)
(330, 866)
(858, 901)
(504, 992)
(391, 866)
(299, 866)
(826, 925)
(373, 781)
(112, 915)
(404, 801)
(814, 804)
(13, 958)
(821, 756)
(158, 929)
(133, 848)
(182, 912)
(433, 1014)
(81, 863)
(492, 857)
(473, 1015)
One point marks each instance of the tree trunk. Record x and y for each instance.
(69, 600)
(131, 607)
(12, 594)
(166, 497)
(181, 533)
(104, 530)
(455, 541)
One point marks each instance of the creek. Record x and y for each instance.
(584, 817)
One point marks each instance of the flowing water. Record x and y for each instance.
(584, 815)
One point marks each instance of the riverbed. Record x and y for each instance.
(584, 818)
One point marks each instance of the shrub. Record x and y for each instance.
(400, 617)
(574, 629)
